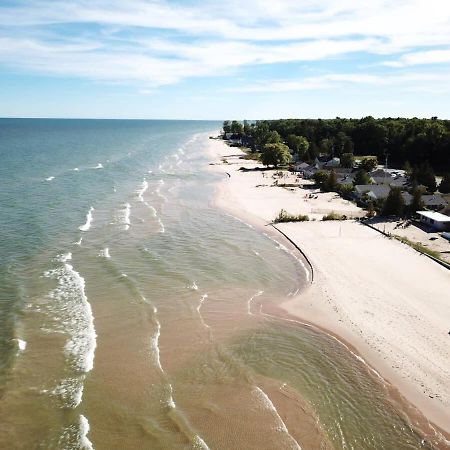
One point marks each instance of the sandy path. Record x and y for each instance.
(386, 300)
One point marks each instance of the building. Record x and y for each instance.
(438, 221)
(434, 201)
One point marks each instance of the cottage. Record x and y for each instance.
(434, 201)
(438, 221)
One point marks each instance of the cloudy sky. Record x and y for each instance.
(193, 59)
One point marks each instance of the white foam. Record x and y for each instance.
(79, 241)
(49, 178)
(170, 401)
(161, 226)
(126, 216)
(76, 169)
(142, 190)
(155, 344)
(249, 303)
(75, 316)
(199, 443)
(70, 390)
(267, 404)
(193, 286)
(99, 166)
(64, 257)
(105, 253)
(21, 344)
(85, 443)
(199, 307)
(89, 219)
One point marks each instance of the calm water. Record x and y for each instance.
(133, 313)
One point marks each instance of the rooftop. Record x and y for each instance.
(438, 217)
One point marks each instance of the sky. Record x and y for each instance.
(253, 59)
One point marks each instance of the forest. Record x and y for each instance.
(400, 140)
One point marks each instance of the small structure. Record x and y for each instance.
(438, 221)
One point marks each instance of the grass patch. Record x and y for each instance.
(334, 216)
(283, 216)
(419, 247)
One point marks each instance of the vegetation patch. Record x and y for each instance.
(334, 216)
(284, 216)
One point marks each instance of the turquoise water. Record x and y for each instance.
(132, 312)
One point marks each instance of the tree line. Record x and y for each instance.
(413, 141)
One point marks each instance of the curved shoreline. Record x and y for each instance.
(406, 394)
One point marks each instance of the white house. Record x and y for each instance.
(436, 220)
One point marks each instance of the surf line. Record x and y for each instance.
(249, 302)
(267, 404)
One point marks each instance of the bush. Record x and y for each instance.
(283, 216)
(334, 216)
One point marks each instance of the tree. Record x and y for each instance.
(273, 138)
(444, 186)
(394, 204)
(247, 128)
(331, 182)
(275, 154)
(425, 176)
(320, 177)
(226, 126)
(417, 202)
(237, 127)
(298, 144)
(368, 163)
(347, 160)
(361, 177)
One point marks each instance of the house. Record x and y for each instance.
(345, 179)
(438, 221)
(434, 202)
(373, 191)
(334, 162)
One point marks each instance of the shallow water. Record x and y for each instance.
(134, 313)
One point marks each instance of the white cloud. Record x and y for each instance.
(428, 82)
(158, 42)
(421, 58)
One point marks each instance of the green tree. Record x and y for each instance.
(425, 176)
(247, 128)
(394, 204)
(226, 126)
(361, 177)
(368, 163)
(275, 154)
(320, 177)
(237, 127)
(416, 202)
(331, 182)
(298, 144)
(347, 160)
(444, 186)
(273, 138)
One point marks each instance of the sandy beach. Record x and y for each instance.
(387, 301)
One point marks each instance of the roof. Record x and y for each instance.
(433, 200)
(378, 190)
(437, 217)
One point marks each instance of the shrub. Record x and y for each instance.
(283, 216)
(334, 216)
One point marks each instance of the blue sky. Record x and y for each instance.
(231, 59)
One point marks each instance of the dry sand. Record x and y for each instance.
(386, 300)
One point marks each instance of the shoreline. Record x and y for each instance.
(323, 302)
